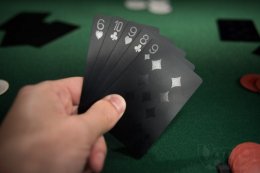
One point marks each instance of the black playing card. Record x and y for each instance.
(155, 89)
(98, 33)
(237, 30)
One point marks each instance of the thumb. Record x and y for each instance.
(104, 114)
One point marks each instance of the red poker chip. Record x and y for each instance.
(242, 155)
(249, 82)
(252, 167)
(246, 155)
(238, 149)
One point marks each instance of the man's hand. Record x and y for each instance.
(42, 134)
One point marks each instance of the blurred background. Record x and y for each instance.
(219, 115)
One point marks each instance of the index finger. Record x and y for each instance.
(73, 85)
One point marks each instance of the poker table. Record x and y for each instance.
(221, 113)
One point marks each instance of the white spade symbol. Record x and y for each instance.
(99, 34)
(128, 40)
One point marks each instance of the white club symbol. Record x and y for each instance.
(114, 36)
(138, 48)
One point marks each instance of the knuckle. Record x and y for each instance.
(30, 93)
(45, 85)
(26, 90)
(29, 89)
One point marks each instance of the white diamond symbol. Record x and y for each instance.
(156, 64)
(164, 96)
(146, 56)
(176, 82)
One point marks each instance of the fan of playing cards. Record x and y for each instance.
(150, 72)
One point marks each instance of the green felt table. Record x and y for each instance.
(220, 115)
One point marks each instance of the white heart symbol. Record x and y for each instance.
(99, 34)
(128, 40)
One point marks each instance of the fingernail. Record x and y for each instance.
(117, 101)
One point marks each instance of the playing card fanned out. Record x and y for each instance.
(150, 72)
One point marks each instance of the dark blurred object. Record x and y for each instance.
(237, 30)
(29, 28)
(223, 168)
(257, 51)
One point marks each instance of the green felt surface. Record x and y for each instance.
(219, 115)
